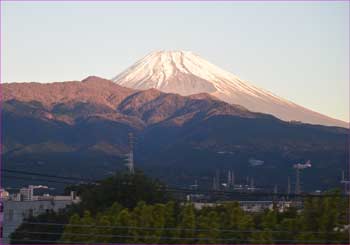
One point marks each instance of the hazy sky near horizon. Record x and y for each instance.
(297, 50)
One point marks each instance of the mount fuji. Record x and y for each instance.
(186, 73)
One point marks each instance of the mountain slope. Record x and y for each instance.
(186, 73)
(94, 100)
(92, 89)
(84, 132)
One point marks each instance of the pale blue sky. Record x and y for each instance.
(298, 50)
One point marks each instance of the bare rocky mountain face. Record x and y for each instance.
(186, 73)
(80, 128)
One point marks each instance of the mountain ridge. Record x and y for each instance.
(85, 131)
(103, 96)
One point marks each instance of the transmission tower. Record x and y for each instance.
(130, 159)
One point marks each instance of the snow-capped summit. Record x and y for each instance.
(180, 72)
(186, 73)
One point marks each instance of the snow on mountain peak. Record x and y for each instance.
(163, 69)
(186, 73)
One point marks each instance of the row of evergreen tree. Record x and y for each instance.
(321, 221)
(134, 209)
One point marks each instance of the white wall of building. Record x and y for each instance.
(16, 211)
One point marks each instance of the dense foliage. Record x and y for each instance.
(320, 221)
(125, 189)
(35, 230)
(141, 212)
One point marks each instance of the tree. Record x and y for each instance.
(187, 224)
(80, 229)
(28, 232)
(157, 222)
(118, 188)
(235, 219)
(170, 224)
(113, 212)
(103, 230)
(122, 231)
(73, 228)
(208, 226)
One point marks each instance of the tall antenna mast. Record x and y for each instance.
(130, 160)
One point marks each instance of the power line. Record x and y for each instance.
(169, 237)
(47, 175)
(23, 241)
(85, 242)
(46, 180)
(175, 228)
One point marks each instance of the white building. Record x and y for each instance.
(27, 193)
(25, 204)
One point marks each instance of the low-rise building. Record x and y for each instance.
(27, 193)
(24, 204)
